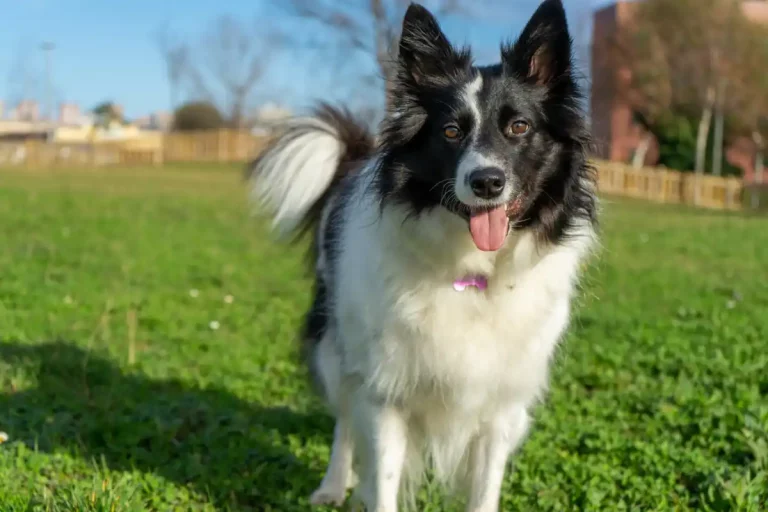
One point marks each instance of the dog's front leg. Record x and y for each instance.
(383, 438)
(490, 451)
(337, 479)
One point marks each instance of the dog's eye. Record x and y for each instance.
(517, 128)
(452, 132)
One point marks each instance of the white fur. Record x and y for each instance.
(473, 160)
(338, 477)
(294, 174)
(429, 374)
(470, 96)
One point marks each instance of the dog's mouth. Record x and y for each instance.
(513, 209)
(489, 225)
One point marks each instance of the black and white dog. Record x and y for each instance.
(446, 253)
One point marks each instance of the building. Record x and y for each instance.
(162, 121)
(2, 110)
(25, 110)
(71, 115)
(617, 133)
(15, 131)
(159, 121)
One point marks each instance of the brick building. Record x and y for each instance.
(616, 132)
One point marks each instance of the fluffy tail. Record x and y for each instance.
(291, 178)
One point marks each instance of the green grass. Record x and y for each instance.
(658, 397)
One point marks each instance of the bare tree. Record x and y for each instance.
(223, 67)
(25, 78)
(369, 28)
(175, 54)
(231, 60)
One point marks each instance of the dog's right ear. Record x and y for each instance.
(425, 53)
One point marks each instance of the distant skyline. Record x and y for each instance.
(105, 50)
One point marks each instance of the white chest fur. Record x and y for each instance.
(415, 340)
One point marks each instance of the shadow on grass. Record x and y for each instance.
(234, 451)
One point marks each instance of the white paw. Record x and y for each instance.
(326, 496)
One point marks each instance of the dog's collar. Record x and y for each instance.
(479, 282)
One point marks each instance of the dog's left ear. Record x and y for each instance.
(543, 53)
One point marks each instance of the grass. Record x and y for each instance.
(148, 362)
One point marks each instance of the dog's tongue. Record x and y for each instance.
(489, 228)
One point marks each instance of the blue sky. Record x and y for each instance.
(105, 48)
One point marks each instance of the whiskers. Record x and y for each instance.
(518, 223)
(447, 195)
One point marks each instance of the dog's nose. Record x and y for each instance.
(487, 183)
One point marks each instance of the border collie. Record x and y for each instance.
(446, 251)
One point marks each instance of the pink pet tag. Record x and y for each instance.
(479, 282)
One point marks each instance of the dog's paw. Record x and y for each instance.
(355, 504)
(326, 496)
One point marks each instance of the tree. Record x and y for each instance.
(223, 67)
(175, 54)
(368, 28)
(107, 113)
(197, 115)
(752, 91)
(228, 64)
(686, 59)
(27, 80)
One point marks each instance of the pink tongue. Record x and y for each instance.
(489, 228)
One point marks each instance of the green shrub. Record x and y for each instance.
(198, 115)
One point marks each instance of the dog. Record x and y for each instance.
(446, 251)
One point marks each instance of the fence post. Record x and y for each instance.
(759, 167)
(164, 146)
(221, 148)
(28, 153)
(696, 191)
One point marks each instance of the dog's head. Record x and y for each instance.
(500, 146)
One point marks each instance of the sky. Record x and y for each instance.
(106, 50)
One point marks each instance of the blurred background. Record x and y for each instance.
(678, 85)
(147, 323)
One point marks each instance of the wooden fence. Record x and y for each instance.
(220, 146)
(665, 186)
(38, 154)
(217, 146)
(659, 185)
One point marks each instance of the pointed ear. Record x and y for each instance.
(425, 53)
(543, 53)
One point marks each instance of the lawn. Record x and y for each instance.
(148, 358)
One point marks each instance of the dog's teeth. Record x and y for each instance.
(459, 287)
